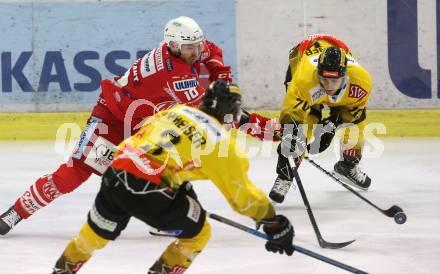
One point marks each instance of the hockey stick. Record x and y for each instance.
(322, 243)
(297, 248)
(393, 212)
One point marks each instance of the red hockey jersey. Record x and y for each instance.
(158, 81)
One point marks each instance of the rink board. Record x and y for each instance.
(44, 126)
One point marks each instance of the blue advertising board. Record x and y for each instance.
(56, 54)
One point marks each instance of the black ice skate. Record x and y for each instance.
(8, 220)
(280, 189)
(352, 175)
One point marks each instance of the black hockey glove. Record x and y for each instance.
(293, 142)
(324, 134)
(187, 189)
(280, 235)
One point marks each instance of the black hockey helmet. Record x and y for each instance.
(220, 99)
(332, 62)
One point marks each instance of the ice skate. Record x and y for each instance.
(352, 175)
(8, 220)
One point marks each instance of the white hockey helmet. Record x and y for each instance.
(182, 30)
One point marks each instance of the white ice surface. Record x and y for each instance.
(406, 174)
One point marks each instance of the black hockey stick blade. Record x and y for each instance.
(329, 245)
(390, 212)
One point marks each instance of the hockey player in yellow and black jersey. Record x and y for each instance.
(322, 71)
(148, 179)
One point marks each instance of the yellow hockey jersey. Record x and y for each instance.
(305, 91)
(187, 144)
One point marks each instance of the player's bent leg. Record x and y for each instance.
(49, 187)
(43, 192)
(105, 223)
(347, 168)
(79, 251)
(93, 154)
(181, 253)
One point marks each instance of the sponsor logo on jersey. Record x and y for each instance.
(147, 64)
(101, 155)
(135, 72)
(356, 92)
(158, 57)
(317, 92)
(101, 221)
(169, 64)
(185, 84)
(85, 137)
(148, 68)
(194, 210)
(29, 204)
(50, 190)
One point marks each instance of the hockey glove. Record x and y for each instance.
(324, 134)
(280, 235)
(187, 189)
(220, 72)
(293, 143)
(260, 127)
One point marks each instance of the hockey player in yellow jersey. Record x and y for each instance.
(148, 179)
(323, 72)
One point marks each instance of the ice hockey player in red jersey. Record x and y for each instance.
(165, 76)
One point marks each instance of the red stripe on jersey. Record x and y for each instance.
(311, 39)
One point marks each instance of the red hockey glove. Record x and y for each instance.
(223, 73)
(260, 127)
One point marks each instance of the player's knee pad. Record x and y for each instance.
(105, 219)
(67, 178)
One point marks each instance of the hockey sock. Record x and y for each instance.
(181, 253)
(40, 194)
(80, 250)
